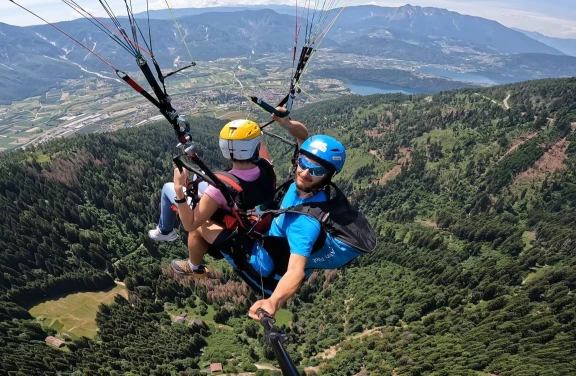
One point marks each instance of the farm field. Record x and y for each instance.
(219, 89)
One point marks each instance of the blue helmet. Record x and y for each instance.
(326, 151)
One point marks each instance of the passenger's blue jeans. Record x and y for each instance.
(167, 215)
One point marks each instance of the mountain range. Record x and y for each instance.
(35, 58)
(565, 45)
(166, 14)
(439, 25)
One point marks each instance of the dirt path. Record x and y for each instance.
(347, 301)
(265, 366)
(490, 99)
(516, 144)
(504, 105)
(403, 158)
(375, 153)
(315, 369)
(506, 101)
(123, 293)
(427, 222)
(331, 352)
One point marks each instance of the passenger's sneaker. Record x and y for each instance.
(156, 234)
(183, 267)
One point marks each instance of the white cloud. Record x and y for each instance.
(51, 10)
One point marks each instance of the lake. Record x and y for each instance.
(465, 77)
(372, 87)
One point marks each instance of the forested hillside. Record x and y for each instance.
(473, 195)
(476, 267)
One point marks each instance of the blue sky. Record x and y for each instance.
(551, 17)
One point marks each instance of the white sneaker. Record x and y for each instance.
(156, 234)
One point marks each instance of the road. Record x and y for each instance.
(506, 101)
(504, 104)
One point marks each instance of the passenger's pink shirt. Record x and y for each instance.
(247, 175)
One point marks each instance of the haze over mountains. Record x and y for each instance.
(37, 57)
(565, 45)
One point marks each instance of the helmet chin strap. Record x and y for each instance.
(256, 156)
(308, 192)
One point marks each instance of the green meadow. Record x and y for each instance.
(75, 314)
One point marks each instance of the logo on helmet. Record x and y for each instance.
(236, 123)
(322, 146)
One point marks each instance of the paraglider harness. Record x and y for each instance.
(248, 195)
(338, 218)
(346, 226)
(241, 196)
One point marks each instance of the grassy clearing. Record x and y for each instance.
(283, 317)
(527, 238)
(222, 344)
(234, 115)
(536, 273)
(38, 157)
(446, 137)
(75, 314)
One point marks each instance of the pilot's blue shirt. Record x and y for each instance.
(302, 231)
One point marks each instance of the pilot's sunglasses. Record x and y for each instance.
(314, 169)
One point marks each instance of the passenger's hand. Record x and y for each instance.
(266, 304)
(180, 178)
(283, 121)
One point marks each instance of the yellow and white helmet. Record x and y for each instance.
(240, 140)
